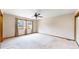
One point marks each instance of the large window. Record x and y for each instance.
(24, 27)
(21, 24)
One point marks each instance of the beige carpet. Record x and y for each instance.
(37, 41)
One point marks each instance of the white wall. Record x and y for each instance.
(35, 25)
(8, 25)
(62, 26)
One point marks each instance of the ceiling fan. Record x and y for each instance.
(37, 15)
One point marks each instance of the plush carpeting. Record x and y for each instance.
(37, 41)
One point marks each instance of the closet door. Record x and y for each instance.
(77, 29)
(29, 27)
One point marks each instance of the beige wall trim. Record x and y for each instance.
(77, 43)
(14, 36)
(8, 37)
(75, 28)
(58, 37)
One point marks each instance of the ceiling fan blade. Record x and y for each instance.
(40, 16)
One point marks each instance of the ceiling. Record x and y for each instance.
(28, 13)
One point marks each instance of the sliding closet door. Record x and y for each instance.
(77, 29)
(21, 27)
(29, 27)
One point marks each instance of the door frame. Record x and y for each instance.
(1, 26)
(76, 15)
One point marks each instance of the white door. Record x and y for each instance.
(77, 29)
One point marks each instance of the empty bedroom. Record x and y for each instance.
(39, 29)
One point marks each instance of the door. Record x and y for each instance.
(21, 27)
(77, 29)
(29, 27)
(1, 22)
